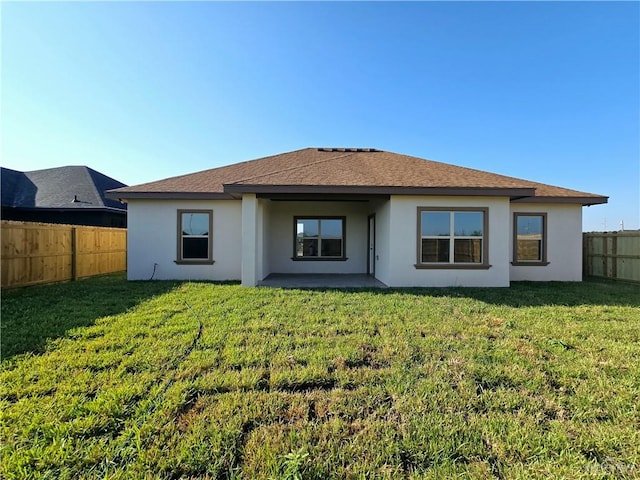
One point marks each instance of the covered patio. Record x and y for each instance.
(320, 280)
(312, 242)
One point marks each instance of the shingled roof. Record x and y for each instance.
(349, 171)
(70, 187)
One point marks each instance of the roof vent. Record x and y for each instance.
(341, 149)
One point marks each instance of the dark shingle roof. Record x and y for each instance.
(349, 171)
(17, 189)
(62, 187)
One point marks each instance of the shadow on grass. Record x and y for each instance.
(570, 294)
(529, 294)
(34, 315)
(31, 316)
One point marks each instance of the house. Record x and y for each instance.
(405, 220)
(73, 195)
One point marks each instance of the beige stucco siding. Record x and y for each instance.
(266, 233)
(564, 243)
(278, 228)
(383, 239)
(403, 244)
(152, 239)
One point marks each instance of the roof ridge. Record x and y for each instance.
(61, 167)
(345, 154)
(207, 170)
(92, 183)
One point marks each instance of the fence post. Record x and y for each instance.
(592, 252)
(605, 266)
(74, 253)
(585, 256)
(614, 258)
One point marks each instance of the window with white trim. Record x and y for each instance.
(452, 236)
(195, 236)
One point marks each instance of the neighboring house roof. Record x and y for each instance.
(71, 187)
(349, 171)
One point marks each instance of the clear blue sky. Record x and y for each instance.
(143, 91)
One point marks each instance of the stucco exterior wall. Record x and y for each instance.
(265, 233)
(383, 237)
(250, 258)
(152, 239)
(564, 243)
(279, 228)
(403, 244)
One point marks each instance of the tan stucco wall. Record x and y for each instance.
(152, 238)
(564, 243)
(279, 236)
(152, 234)
(403, 243)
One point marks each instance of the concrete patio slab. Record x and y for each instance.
(283, 280)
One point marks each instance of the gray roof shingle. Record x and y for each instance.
(61, 187)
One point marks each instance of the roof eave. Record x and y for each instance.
(235, 191)
(123, 196)
(69, 209)
(380, 190)
(584, 201)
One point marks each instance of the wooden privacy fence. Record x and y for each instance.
(35, 253)
(614, 255)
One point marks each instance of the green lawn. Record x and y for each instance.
(108, 379)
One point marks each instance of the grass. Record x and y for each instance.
(108, 379)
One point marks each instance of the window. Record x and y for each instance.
(194, 236)
(452, 238)
(529, 239)
(319, 238)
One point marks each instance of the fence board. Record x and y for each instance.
(34, 253)
(614, 255)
